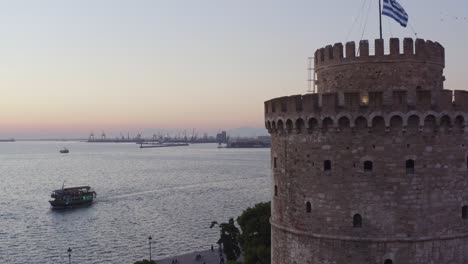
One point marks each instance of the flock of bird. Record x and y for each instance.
(448, 17)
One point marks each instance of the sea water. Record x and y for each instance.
(171, 193)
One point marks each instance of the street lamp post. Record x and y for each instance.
(149, 239)
(69, 255)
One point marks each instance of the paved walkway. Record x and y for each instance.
(207, 257)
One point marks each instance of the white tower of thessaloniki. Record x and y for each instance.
(373, 167)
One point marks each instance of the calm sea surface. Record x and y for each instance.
(172, 194)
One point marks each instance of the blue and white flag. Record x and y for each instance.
(393, 9)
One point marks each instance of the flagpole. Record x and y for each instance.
(380, 18)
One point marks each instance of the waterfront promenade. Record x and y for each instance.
(208, 257)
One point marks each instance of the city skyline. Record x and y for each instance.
(70, 68)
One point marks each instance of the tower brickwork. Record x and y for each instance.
(374, 167)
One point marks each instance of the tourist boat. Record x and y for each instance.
(64, 150)
(72, 196)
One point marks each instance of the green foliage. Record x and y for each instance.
(255, 239)
(145, 261)
(229, 239)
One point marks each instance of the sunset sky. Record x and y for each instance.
(71, 67)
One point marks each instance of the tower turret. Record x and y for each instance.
(374, 167)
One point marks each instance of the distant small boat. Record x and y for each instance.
(72, 196)
(64, 150)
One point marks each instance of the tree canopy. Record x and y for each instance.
(229, 238)
(145, 261)
(255, 238)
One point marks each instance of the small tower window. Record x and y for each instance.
(465, 212)
(357, 221)
(276, 190)
(388, 261)
(364, 100)
(274, 162)
(308, 207)
(327, 165)
(368, 166)
(410, 166)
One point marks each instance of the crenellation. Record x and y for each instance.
(420, 50)
(298, 103)
(328, 53)
(395, 47)
(354, 101)
(340, 99)
(375, 100)
(408, 47)
(364, 48)
(329, 102)
(373, 167)
(294, 103)
(400, 99)
(440, 52)
(446, 99)
(273, 106)
(431, 50)
(279, 105)
(379, 48)
(327, 106)
(411, 98)
(284, 104)
(350, 50)
(424, 99)
(310, 103)
(416, 122)
(387, 98)
(338, 52)
(461, 100)
(351, 101)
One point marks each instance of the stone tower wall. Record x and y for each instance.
(409, 214)
(418, 65)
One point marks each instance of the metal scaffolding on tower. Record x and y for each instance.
(311, 81)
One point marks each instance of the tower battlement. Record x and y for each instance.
(415, 51)
(373, 167)
(416, 65)
(390, 101)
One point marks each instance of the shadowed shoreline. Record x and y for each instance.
(208, 257)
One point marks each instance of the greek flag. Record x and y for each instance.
(393, 9)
